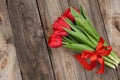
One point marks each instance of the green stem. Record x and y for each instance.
(67, 40)
(71, 38)
(115, 56)
(80, 37)
(109, 60)
(111, 57)
(110, 65)
(82, 47)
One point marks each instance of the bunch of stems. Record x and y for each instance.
(83, 36)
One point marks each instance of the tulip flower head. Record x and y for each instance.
(69, 15)
(58, 26)
(55, 41)
(60, 33)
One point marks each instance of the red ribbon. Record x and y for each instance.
(95, 57)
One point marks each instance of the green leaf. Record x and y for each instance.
(80, 37)
(81, 21)
(78, 28)
(87, 27)
(74, 12)
(68, 40)
(73, 39)
(71, 24)
(78, 47)
(82, 11)
(89, 37)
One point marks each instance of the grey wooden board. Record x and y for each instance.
(9, 66)
(29, 40)
(25, 26)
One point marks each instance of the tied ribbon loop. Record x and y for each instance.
(95, 57)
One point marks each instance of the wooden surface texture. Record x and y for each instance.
(25, 26)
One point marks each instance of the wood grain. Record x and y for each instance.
(29, 40)
(111, 15)
(9, 67)
(25, 26)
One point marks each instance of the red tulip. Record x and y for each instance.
(58, 26)
(55, 41)
(59, 23)
(60, 33)
(69, 15)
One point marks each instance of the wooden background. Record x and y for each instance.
(25, 26)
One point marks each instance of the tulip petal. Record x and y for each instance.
(55, 41)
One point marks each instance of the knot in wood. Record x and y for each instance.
(0, 18)
(4, 62)
(40, 34)
(116, 22)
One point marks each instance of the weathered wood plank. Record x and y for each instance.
(64, 64)
(111, 14)
(9, 67)
(29, 40)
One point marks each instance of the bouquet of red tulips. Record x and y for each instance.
(73, 30)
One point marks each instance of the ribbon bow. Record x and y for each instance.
(95, 57)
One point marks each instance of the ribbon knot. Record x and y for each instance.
(90, 59)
